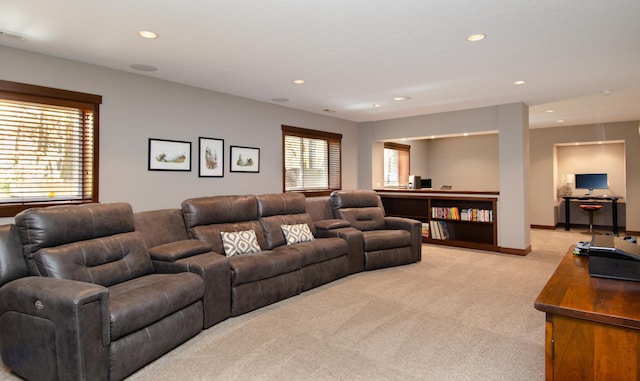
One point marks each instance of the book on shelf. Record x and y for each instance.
(425, 230)
(439, 230)
(463, 214)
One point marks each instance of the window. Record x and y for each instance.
(311, 161)
(48, 147)
(396, 164)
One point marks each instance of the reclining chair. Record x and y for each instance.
(94, 308)
(387, 241)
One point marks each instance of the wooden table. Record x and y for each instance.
(592, 324)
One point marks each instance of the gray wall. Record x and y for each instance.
(545, 168)
(457, 164)
(136, 108)
(466, 163)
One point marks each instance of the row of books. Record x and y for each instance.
(435, 230)
(463, 214)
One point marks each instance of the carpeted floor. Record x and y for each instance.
(457, 315)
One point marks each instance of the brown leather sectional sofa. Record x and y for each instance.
(89, 292)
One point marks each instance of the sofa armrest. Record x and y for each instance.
(173, 251)
(355, 242)
(214, 269)
(55, 328)
(330, 224)
(412, 226)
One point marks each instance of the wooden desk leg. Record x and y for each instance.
(614, 214)
(567, 207)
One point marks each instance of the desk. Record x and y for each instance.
(592, 329)
(614, 208)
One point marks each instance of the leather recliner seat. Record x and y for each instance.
(94, 307)
(387, 241)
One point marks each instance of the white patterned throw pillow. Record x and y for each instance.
(297, 233)
(242, 242)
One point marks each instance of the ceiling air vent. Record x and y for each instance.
(12, 35)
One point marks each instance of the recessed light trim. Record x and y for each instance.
(298, 81)
(401, 98)
(476, 37)
(148, 34)
(143, 67)
(519, 82)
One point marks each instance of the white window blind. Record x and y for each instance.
(396, 164)
(47, 152)
(311, 160)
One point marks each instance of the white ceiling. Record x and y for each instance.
(354, 53)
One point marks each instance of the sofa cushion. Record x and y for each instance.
(139, 302)
(320, 250)
(104, 261)
(280, 209)
(219, 210)
(263, 265)
(58, 225)
(272, 227)
(361, 208)
(160, 226)
(375, 240)
(211, 233)
(238, 243)
(369, 218)
(281, 203)
(297, 233)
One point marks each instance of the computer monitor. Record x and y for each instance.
(425, 183)
(592, 181)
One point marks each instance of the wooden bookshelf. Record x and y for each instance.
(462, 219)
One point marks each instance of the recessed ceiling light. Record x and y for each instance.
(560, 121)
(328, 110)
(605, 92)
(143, 67)
(476, 37)
(298, 81)
(376, 105)
(147, 34)
(403, 98)
(550, 111)
(520, 82)
(466, 134)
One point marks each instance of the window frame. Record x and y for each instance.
(329, 137)
(56, 97)
(401, 148)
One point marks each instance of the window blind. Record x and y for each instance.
(311, 160)
(47, 151)
(396, 164)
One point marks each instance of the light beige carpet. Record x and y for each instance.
(457, 315)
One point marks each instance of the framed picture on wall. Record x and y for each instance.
(211, 157)
(245, 159)
(169, 155)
